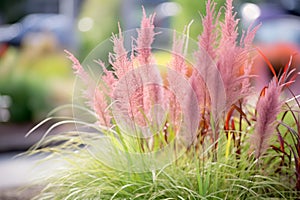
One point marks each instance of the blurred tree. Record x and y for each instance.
(33, 78)
(102, 17)
(190, 10)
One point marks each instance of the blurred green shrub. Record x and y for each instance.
(190, 10)
(35, 81)
(29, 98)
(103, 15)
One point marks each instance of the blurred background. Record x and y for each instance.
(36, 77)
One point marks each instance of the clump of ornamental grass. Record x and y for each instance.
(86, 177)
(190, 134)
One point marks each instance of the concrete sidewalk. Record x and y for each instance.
(18, 171)
(18, 174)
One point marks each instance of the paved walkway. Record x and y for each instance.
(19, 171)
(18, 174)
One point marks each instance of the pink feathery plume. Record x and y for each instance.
(249, 36)
(96, 98)
(78, 70)
(126, 101)
(108, 79)
(207, 42)
(179, 92)
(121, 64)
(229, 27)
(198, 80)
(268, 107)
(208, 54)
(100, 107)
(145, 39)
(178, 60)
(247, 44)
(228, 55)
(235, 69)
(152, 90)
(209, 37)
(229, 67)
(178, 64)
(103, 92)
(197, 83)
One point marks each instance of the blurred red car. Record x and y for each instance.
(278, 37)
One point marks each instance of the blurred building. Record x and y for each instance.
(56, 17)
(278, 36)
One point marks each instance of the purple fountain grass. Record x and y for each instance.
(100, 108)
(178, 64)
(183, 113)
(139, 82)
(141, 100)
(233, 57)
(219, 43)
(119, 60)
(102, 93)
(150, 75)
(96, 98)
(249, 59)
(209, 37)
(122, 65)
(145, 39)
(108, 78)
(229, 26)
(197, 83)
(285, 143)
(207, 42)
(235, 68)
(78, 69)
(267, 108)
